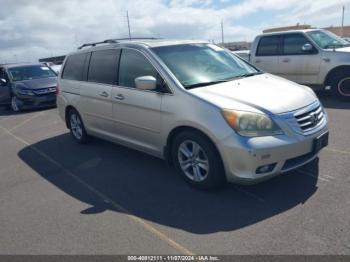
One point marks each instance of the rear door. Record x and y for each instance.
(298, 65)
(267, 53)
(96, 91)
(4, 88)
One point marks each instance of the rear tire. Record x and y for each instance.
(341, 85)
(197, 160)
(77, 128)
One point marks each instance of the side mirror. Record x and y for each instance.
(307, 48)
(3, 82)
(146, 82)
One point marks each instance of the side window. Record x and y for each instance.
(292, 44)
(74, 67)
(132, 65)
(268, 46)
(103, 66)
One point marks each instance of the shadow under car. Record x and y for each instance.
(151, 190)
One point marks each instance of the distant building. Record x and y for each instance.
(287, 28)
(338, 30)
(237, 45)
(57, 60)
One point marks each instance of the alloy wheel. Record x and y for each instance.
(76, 126)
(193, 161)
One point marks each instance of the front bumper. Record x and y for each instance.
(243, 156)
(35, 101)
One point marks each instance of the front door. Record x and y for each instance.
(137, 113)
(296, 64)
(4, 88)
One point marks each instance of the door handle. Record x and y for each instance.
(104, 94)
(119, 97)
(257, 61)
(285, 60)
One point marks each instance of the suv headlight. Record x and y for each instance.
(25, 92)
(251, 124)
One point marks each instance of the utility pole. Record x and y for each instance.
(222, 31)
(127, 17)
(342, 21)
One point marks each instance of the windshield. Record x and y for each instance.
(30, 72)
(196, 65)
(327, 40)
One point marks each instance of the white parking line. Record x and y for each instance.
(312, 175)
(337, 151)
(105, 198)
(26, 121)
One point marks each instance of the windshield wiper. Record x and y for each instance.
(205, 84)
(336, 46)
(221, 81)
(249, 74)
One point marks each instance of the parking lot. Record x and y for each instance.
(57, 197)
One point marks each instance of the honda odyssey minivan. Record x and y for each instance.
(213, 116)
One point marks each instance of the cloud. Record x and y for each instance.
(40, 28)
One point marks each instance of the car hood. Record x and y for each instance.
(37, 83)
(263, 92)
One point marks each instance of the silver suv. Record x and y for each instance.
(215, 117)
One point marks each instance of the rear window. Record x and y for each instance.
(103, 66)
(268, 46)
(74, 67)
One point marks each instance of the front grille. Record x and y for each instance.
(311, 119)
(44, 91)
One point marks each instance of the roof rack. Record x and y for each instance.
(113, 41)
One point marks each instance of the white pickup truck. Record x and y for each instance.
(313, 57)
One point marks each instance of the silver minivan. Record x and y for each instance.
(213, 116)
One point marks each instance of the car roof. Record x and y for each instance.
(146, 43)
(20, 65)
(290, 32)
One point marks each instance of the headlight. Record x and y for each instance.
(251, 124)
(25, 92)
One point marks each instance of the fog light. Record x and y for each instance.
(265, 168)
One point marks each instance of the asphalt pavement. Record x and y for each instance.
(58, 197)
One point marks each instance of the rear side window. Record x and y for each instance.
(74, 67)
(293, 43)
(132, 65)
(268, 46)
(103, 66)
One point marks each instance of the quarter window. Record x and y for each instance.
(74, 67)
(293, 43)
(132, 65)
(268, 46)
(103, 66)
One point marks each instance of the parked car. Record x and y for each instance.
(215, 117)
(26, 86)
(313, 57)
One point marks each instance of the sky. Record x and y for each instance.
(40, 28)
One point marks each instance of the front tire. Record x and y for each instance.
(197, 160)
(341, 85)
(77, 128)
(14, 104)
